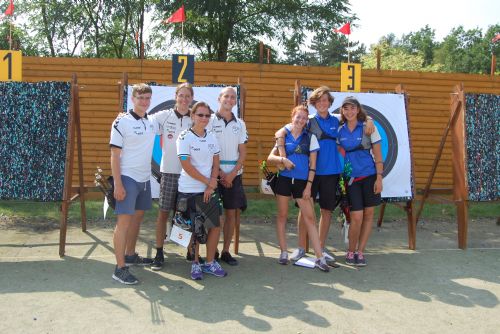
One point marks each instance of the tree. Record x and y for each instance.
(218, 28)
(332, 50)
(467, 51)
(420, 42)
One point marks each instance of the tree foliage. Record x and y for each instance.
(217, 29)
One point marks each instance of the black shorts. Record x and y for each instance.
(234, 197)
(211, 211)
(290, 187)
(361, 195)
(326, 187)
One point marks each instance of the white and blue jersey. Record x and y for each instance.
(297, 151)
(361, 159)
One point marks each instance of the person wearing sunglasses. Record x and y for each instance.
(198, 152)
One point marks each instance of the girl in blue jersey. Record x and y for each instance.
(296, 181)
(365, 183)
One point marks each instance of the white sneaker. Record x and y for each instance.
(297, 254)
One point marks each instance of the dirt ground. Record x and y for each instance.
(435, 289)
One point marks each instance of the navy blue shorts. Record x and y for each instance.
(137, 197)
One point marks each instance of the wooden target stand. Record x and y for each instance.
(70, 193)
(408, 207)
(456, 124)
(122, 85)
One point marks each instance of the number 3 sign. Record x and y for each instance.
(11, 65)
(350, 77)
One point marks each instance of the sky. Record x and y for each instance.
(377, 18)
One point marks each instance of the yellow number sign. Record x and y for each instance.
(11, 65)
(350, 77)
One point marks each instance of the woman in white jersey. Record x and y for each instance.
(198, 152)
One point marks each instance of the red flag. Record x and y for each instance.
(345, 29)
(496, 38)
(178, 16)
(10, 9)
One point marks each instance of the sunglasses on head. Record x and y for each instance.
(203, 115)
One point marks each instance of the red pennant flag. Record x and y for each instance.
(345, 29)
(10, 9)
(496, 38)
(178, 16)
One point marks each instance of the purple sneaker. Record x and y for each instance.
(360, 259)
(196, 272)
(322, 265)
(283, 258)
(350, 259)
(213, 268)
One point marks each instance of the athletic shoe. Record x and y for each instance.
(328, 255)
(360, 259)
(321, 265)
(297, 254)
(350, 259)
(137, 260)
(190, 258)
(213, 268)
(216, 256)
(158, 262)
(196, 272)
(124, 276)
(283, 258)
(226, 257)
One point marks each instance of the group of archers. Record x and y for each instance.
(202, 162)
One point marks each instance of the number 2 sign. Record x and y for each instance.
(182, 69)
(11, 65)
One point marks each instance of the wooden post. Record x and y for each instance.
(460, 191)
(68, 169)
(243, 97)
(236, 237)
(268, 55)
(81, 192)
(261, 52)
(379, 55)
(493, 65)
(123, 84)
(297, 93)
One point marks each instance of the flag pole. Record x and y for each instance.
(10, 34)
(182, 37)
(348, 49)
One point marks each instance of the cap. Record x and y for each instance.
(350, 100)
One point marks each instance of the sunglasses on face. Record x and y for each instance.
(203, 115)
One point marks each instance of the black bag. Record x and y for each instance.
(110, 194)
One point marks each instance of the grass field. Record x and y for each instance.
(258, 208)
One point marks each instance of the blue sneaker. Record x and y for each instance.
(350, 259)
(360, 259)
(196, 272)
(213, 268)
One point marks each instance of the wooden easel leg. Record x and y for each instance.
(412, 226)
(462, 223)
(381, 214)
(237, 232)
(63, 227)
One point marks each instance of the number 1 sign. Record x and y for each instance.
(11, 65)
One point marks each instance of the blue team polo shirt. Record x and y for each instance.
(301, 161)
(328, 161)
(361, 160)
